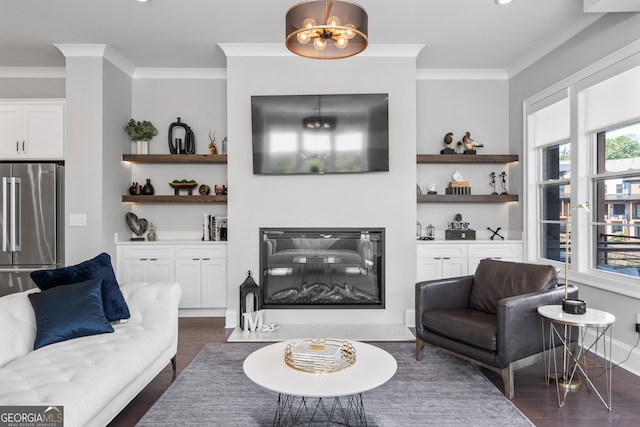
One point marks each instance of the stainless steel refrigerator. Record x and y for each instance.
(31, 225)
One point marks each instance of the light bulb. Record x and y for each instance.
(308, 23)
(350, 33)
(319, 43)
(342, 42)
(303, 37)
(333, 21)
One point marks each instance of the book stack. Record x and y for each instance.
(318, 355)
(458, 188)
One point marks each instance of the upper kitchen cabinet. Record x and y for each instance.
(33, 131)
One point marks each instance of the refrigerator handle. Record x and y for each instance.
(4, 214)
(16, 235)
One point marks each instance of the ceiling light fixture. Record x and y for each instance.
(502, 2)
(326, 29)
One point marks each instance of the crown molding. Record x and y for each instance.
(279, 49)
(97, 50)
(461, 74)
(181, 73)
(32, 72)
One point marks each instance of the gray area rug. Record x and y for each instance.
(439, 390)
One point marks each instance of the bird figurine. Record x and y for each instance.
(448, 139)
(469, 143)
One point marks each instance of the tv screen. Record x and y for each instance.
(320, 134)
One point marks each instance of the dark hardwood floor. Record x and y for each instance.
(532, 397)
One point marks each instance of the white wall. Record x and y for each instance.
(202, 105)
(458, 106)
(359, 200)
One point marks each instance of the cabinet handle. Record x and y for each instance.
(17, 145)
(446, 257)
(206, 259)
(143, 259)
(23, 145)
(437, 258)
(153, 259)
(195, 259)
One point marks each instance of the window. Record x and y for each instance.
(554, 192)
(616, 231)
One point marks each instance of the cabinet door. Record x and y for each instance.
(214, 283)
(10, 131)
(429, 268)
(134, 270)
(188, 275)
(454, 267)
(43, 131)
(160, 270)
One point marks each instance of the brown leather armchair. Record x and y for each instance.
(490, 318)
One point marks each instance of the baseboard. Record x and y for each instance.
(619, 352)
(201, 312)
(231, 319)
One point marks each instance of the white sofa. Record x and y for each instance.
(92, 377)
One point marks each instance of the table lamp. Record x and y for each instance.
(570, 305)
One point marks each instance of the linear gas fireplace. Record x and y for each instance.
(322, 267)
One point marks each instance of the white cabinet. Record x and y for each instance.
(440, 261)
(202, 274)
(32, 131)
(436, 260)
(145, 263)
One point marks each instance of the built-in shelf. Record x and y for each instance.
(174, 158)
(175, 199)
(467, 158)
(450, 198)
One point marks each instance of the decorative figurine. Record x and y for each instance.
(469, 144)
(495, 233)
(431, 189)
(504, 184)
(223, 149)
(212, 146)
(151, 235)
(448, 139)
(189, 139)
(492, 184)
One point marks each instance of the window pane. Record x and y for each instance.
(618, 249)
(554, 202)
(619, 150)
(617, 230)
(556, 162)
(553, 241)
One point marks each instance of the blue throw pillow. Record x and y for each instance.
(115, 307)
(70, 311)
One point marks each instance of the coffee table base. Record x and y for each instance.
(294, 410)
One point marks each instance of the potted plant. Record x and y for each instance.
(141, 133)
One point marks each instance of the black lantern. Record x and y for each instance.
(431, 232)
(250, 294)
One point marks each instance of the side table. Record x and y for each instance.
(600, 323)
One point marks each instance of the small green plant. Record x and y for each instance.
(140, 131)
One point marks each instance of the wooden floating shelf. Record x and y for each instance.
(174, 158)
(174, 199)
(467, 158)
(449, 198)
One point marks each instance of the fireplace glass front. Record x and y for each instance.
(322, 267)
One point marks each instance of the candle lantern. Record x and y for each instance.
(250, 296)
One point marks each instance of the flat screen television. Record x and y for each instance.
(320, 134)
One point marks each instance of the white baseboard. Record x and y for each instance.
(231, 319)
(619, 352)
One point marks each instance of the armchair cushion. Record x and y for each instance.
(472, 327)
(495, 280)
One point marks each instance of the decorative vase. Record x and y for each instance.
(148, 190)
(151, 236)
(132, 189)
(142, 147)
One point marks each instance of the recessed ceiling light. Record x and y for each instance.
(143, 1)
(503, 1)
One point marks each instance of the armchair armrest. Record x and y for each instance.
(441, 294)
(519, 326)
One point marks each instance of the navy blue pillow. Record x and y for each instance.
(70, 311)
(115, 308)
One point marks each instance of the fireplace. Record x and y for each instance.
(322, 268)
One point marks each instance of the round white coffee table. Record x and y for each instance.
(372, 368)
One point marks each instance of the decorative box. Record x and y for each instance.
(460, 234)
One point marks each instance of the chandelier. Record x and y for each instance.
(326, 29)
